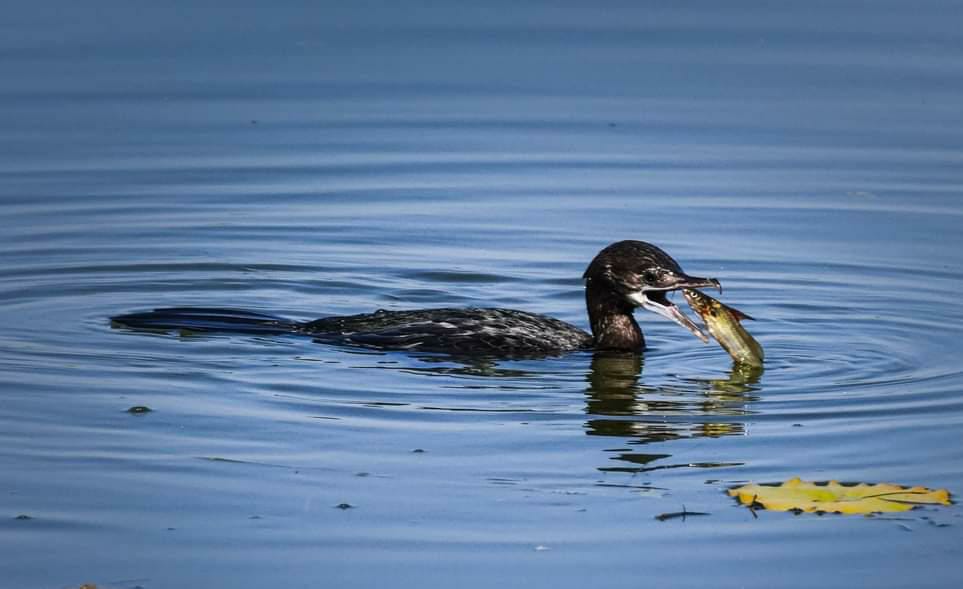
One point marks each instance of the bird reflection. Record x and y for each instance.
(619, 404)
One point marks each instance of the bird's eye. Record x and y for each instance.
(650, 276)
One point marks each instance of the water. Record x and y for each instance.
(315, 159)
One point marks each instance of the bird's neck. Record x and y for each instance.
(613, 326)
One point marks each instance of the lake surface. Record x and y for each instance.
(315, 159)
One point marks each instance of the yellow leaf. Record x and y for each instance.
(834, 497)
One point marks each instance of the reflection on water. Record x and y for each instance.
(619, 404)
(661, 414)
(466, 366)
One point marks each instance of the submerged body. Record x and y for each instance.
(724, 324)
(622, 277)
(471, 331)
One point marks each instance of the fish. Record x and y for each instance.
(724, 324)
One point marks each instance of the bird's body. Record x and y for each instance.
(502, 332)
(623, 276)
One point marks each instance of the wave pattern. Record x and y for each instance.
(315, 159)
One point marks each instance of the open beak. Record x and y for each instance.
(654, 299)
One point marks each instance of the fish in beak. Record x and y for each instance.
(656, 283)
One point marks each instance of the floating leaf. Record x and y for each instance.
(835, 497)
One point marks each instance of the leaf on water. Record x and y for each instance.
(834, 497)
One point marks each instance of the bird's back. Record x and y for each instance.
(497, 332)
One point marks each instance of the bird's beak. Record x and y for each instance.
(653, 299)
(678, 281)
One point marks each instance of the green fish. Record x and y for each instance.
(723, 323)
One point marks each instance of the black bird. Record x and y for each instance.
(623, 276)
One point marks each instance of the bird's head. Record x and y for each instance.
(641, 274)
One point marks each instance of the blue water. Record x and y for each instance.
(318, 158)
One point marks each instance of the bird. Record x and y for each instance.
(622, 277)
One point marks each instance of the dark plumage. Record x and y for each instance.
(500, 332)
(623, 276)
